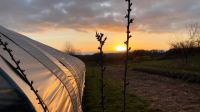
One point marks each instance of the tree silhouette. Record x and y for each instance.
(194, 33)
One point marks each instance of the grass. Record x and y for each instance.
(113, 92)
(172, 68)
(173, 65)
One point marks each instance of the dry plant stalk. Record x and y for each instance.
(129, 21)
(101, 39)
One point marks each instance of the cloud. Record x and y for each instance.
(167, 15)
(85, 15)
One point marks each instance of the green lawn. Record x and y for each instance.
(113, 91)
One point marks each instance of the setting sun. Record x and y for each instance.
(120, 48)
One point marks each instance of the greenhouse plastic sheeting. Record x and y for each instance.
(59, 77)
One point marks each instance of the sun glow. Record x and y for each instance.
(120, 48)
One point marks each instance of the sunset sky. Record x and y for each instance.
(58, 22)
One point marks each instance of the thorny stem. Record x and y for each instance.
(23, 75)
(129, 21)
(101, 39)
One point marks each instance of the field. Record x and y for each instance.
(113, 95)
(150, 89)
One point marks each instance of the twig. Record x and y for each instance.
(129, 21)
(23, 75)
(100, 37)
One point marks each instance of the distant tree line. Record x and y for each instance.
(142, 55)
(118, 57)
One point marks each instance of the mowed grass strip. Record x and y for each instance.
(176, 65)
(113, 93)
(172, 68)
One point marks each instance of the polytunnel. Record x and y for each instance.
(35, 77)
